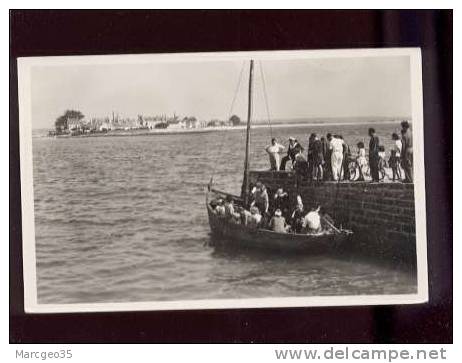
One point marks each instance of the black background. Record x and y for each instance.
(41, 33)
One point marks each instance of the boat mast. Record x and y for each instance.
(245, 184)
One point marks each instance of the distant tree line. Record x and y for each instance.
(61, 122)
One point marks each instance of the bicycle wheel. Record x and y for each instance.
(353, 172)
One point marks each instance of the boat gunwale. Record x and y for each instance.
(296, 236)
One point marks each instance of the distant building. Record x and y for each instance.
(190, 123)
(74, 124)
(105, 126)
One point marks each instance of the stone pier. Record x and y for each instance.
(381, 215)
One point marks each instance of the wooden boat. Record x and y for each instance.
(228, 232)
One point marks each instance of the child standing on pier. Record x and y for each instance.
(395, 157)
(361, 159)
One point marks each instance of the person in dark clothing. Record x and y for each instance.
(407, 152)
(325, 147)
(310, 154)
(317, 158)
(291, 152)
(297, 216)
(327, 159)
(281, 201)
(346, 159)
(374, 155)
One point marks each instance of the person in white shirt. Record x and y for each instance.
(274, 151)
(255, 217)
(395, 157)
(361, 160)
(337, 157)
(312, 221)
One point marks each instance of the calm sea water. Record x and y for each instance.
(123, 219)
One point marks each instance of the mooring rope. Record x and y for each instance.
(265, 96)
(231, 108)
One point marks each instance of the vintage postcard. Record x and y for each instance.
(222, 180)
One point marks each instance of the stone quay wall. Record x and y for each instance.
(381, 215)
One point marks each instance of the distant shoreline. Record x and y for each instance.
(222, 128)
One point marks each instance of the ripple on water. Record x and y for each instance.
(123, 219)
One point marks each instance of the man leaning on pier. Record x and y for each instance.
(291, 152)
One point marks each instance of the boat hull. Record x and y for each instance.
(227, 233)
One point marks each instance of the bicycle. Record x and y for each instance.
(355, 170)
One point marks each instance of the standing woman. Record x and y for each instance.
(310, 155)
(318, 159)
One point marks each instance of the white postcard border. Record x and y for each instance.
(31, 304)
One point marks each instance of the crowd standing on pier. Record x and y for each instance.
(329, 158)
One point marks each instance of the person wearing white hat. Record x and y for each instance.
(278, 222)
(291, 152)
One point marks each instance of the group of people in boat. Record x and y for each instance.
(274, 213)
(328, 157)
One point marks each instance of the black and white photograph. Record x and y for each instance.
(222, 180)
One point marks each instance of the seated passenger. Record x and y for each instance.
(255, 217)
(245, 215)
(278, 222)
(297, 216)
(327, 222)
(230, 213)
(312, 221)
(220, 208)
(261, 198)
(281, 201)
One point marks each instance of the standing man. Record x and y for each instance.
(273, 151)
(346, 159)
(310, 155)
(407, 159)
(291, 152)
(374, 155)
(318, 159)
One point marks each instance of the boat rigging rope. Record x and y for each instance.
(265, 96)
(220, 152)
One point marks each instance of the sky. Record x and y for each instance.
(297, 88)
